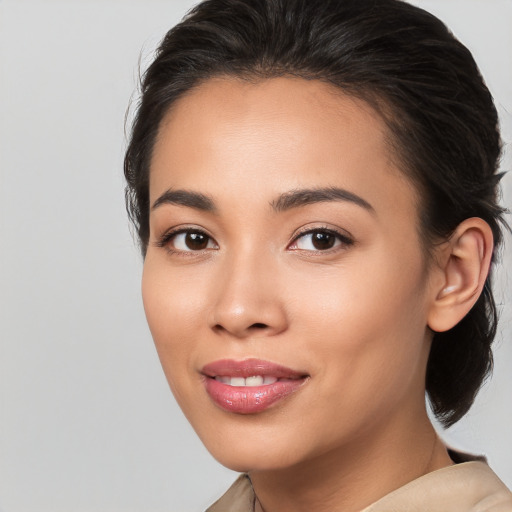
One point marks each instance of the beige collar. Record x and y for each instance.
(467, 487)
(471, 486)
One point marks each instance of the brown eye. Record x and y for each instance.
(190, 240)
(196, 241)
(320, 240)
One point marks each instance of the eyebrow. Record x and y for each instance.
(186, 198)
(286, 201)
(303, 197)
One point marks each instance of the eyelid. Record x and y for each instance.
(165, 238)
(345, 238)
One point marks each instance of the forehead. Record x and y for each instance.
(271, 135)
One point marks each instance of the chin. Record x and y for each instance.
(251, 460)
(245, 451)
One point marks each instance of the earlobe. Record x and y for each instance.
(465, 265)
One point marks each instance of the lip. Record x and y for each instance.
(245, 399)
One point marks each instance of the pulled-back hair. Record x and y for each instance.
(405, 63)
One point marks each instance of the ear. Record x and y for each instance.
(464, 264)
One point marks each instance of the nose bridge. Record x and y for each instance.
(248, 301)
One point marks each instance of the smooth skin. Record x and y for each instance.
(339, 289)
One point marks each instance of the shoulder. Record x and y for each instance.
(466, 487)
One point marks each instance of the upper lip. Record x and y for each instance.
(248, 368)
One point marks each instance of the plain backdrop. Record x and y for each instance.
(86, 420)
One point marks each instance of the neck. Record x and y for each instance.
(354, 476)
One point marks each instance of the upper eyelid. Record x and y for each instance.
(309, 230)
(164, 238)
(345, 240)
(185, 228)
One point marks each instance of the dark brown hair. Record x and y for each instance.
(408, 66)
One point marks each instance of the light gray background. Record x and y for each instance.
(86, 420)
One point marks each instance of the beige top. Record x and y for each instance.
(466, 487)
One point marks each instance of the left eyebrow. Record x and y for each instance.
(303, 197)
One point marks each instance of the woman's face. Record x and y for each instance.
(284, 284)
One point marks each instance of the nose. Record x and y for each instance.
(248, 302)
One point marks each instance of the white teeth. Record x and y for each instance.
(252, 381)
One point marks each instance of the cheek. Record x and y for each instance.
(173, 299)
(174, 305)
(374, 290)
(369, 323)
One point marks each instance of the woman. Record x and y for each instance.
(314, 189)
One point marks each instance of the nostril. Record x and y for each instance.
(256, 326)
(259, 326)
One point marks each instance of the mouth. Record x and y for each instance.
(250, 386)
(252, 381)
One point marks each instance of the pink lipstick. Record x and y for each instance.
(249, 386)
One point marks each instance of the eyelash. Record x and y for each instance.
(168, 236)
(343, 238)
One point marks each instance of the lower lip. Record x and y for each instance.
(250, 399)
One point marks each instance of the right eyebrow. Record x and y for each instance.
(186, 198)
